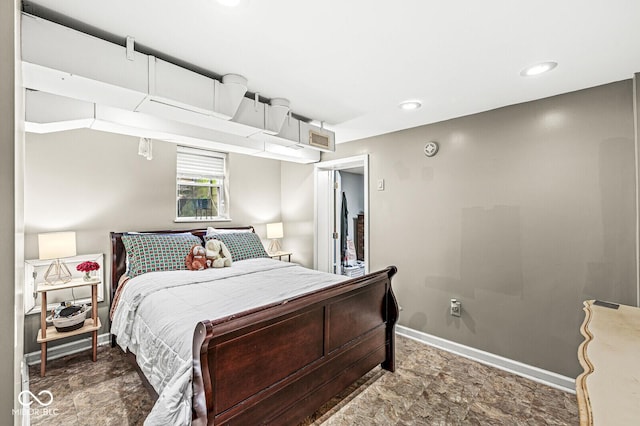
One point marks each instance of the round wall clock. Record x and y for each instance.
(430, 149)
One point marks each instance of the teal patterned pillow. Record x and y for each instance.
(241, 245)
(157, 252)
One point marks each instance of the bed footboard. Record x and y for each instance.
(278, 364)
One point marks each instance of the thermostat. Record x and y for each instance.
(430, 149)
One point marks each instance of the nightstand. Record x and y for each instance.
(279, 255)
(91, 325)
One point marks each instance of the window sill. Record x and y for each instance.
(194, 220)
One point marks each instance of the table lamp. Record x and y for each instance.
(56, 245)
(274, 233)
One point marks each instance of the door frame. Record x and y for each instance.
(341, 164)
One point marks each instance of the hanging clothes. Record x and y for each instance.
(344, 229)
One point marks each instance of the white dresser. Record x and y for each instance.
(608, 390)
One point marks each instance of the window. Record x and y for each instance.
(201, 183)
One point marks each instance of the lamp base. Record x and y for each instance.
(274, 247)
(57, 272)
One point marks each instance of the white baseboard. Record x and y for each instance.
(539, 375)
(65, 349)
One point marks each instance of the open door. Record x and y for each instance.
(328, 199)
(337, 223)
(329, 219)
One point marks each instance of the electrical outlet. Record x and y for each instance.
(456, 308)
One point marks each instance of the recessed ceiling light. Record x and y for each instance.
(229, 3)
(538, 69)
(410, 105)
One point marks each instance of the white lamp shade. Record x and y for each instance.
(55, 245)
(274, 230)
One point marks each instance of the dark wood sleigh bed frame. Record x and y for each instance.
(278, 364)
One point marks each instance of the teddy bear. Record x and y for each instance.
(196, 259)
(218, 254)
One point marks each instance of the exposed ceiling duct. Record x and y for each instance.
(46, 113)
(275, 113)
(119, 83)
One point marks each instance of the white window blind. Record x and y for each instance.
(200, 163)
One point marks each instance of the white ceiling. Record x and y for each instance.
(350, 62)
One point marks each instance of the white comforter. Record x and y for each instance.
(157, 312)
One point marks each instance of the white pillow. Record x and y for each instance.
(211, 230)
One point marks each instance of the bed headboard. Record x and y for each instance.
(119, 256)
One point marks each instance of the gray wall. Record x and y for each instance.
(93, 182)
(297, 194)
(636, 107)
(7, 224)
(525, 212)
(10, 214)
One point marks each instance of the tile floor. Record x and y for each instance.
(429, 387)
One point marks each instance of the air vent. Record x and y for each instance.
(316, 137)
(319, 140)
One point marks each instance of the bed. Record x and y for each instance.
(271, 362)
